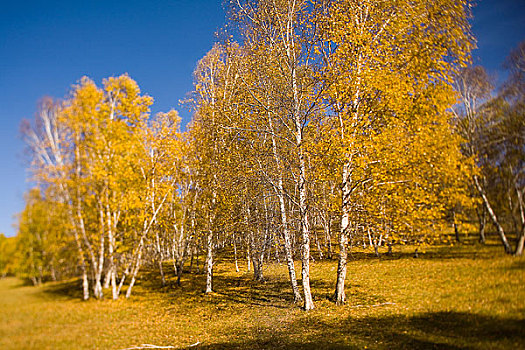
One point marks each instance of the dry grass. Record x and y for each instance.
(464, 297)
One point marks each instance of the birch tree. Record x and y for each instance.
(382, 60)
(278, 39)
(52, 164)
(214, 87)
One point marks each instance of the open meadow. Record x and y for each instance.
(461, 297)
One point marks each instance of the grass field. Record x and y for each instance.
(462, 297)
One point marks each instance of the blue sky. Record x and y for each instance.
(46, 46)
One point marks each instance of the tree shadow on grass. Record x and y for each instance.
(20, 283)
(440, 330)
(459, 251)
(71, 289)
(241, 290)
(235, 290)
(518, 265)
(229, 288)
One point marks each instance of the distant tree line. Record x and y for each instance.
(317, 126)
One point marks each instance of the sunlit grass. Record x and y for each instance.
(450, 297)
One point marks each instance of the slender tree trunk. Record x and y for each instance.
(112, 226)
(493, 216)
(107, 277)
(83, 269)
(521, 237)
(328, 236)
(305, 231)
(209, 248)
(284, 221)
(53, 272)
(289, 259)
(209, 261)
(197, 253)
(258, 266)
(179, 275)
(175, 268)
(346, 189)
(248, 258)
(257, 250)
(521, 242)
(318, 245)
(456, 231)
(482, 224)
(136, 268)
(123, 278)
(511, 210)
(180, 266)
(97, 288)
(339, 295)
(129, 266)
(40, 274)
(180, 246)
(99, 267)
(235, 253)
(85, 282)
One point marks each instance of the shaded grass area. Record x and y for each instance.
(462, 297)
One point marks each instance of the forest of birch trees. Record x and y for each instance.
(316, 126)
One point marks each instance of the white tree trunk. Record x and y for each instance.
(235, 253)
(339, 295)
(209, 261)
(521, 237)
(493, 216)
(136, 268)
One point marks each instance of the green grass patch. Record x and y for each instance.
(462, 297)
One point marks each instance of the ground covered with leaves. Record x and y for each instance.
(462, 297)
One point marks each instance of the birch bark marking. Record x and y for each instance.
(235, 253)
(521, 237)
(209, 261)
(80, 250)
(493, 216)
(209, 248)
(209, 236)
(339, 295)
(482, 219)
(303, 207)
(305, 230)
(112, 225)
(99, 268)
(135, 268)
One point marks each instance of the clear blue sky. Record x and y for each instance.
(46, 46)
